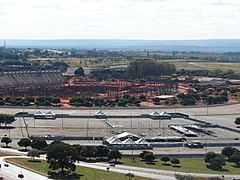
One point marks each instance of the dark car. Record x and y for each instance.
(194, 145)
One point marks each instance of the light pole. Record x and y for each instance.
(62, 120)
(205, 144)
(207, 110)
(131, 121)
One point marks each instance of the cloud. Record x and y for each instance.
(131, 19)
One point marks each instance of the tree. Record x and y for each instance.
(214, 160)
(88, 151)
(129, 175)
(209, 156)
(145, 68)
(237, 121)
(149, 157)
(217, 162)
(61, 155)
(34, 153)
(39, 144)
(2, 103)
(101, 151)
(165, 159)
(228, 151)
(24, 142)
(143, 153)
(235, 157)
(142, 97)
(156, 100)
(79, 72)
(56, 101)
(6, 140)
(175, 161)
(6, 119)
(114, 154)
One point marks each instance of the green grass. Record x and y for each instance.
(87, 173)
(190, 165)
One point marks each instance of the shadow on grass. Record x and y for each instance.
(23, 150)
(34, 161)
(102, 159)
(64, 175)
(6, 146)
(235, 166)
(90, 160)
(150, 163)
(166, 164)
(115, 162)
(220, 169)
(176, 166)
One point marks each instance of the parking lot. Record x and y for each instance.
(221, 115)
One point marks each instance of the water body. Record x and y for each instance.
(226, 45)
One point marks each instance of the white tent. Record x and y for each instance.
(128, 141)
(39, 113)
(100, 114)
(165, 114)
(126, 135)
(154, 114)
(141, 141)
(50, 115)
(113, 141)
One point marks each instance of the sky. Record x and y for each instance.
(120, 19)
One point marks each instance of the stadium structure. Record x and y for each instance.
(32, 83)
(54, 83)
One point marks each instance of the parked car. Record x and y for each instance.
(194, 144)
(112, 164)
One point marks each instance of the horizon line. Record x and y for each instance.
(59, 39)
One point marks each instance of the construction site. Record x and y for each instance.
(53, 83)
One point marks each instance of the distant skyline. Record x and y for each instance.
(120, 19)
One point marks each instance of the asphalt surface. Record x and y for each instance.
(11, 172)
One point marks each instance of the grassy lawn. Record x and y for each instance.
(87, 173)
(206, 65)
(196, 165)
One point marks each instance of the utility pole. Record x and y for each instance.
(131, 121)
(207, 110)
(62, 120)
(87, 127)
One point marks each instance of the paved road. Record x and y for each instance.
(151, 173)
(11, 172)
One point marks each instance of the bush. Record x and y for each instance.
(165, 159)
(237, 121)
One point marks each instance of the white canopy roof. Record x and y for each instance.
(112, 140)
(100, 113)
(128, 141)
(155, 114)
(141, 141)
(164, 113)
(39, 113)
(125, 134)
(50, 113)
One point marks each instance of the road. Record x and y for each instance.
(12, 171)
